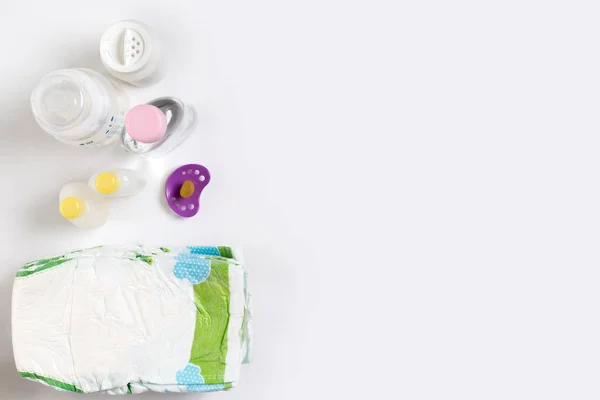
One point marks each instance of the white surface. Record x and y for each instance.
(414, 184)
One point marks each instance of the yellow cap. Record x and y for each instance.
(107, 182)
(72, 207)
(187, 189)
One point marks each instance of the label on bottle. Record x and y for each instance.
(109, 132)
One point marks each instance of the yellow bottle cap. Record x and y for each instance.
(107, 182)
(187, 189)
(72, 207)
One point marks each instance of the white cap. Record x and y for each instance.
(130, 51)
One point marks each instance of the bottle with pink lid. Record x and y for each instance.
(156, 128)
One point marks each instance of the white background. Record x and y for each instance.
(414, 183)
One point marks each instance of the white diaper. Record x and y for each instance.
(123, 320)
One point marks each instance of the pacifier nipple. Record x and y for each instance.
(107, 182)
(187, 189)
(72, 207)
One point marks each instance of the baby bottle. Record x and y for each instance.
(158, 127)
(82, 206)
(79, 107)
(117, 182)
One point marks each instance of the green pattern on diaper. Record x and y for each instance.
(147, 259)
(209, 348)
(41, 265)
(52, 382)
(225, 251)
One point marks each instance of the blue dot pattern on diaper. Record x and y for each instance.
(190, 375)
(192, 267)
(204, 250)
(193, 380)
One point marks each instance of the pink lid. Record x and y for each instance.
(146, 123)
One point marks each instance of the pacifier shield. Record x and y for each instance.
(184, 187)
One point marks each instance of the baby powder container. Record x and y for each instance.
(80, 107)
(82, 207)
(131, 51)
(156, 128)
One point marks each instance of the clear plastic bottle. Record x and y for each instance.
(117, 182)
(82, 206)
(156, 128)
(80, 107)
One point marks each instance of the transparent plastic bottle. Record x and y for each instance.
(117, 182)
(156, 128)
(81, 206)
(80, 107)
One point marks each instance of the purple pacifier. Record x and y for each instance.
(184, 187)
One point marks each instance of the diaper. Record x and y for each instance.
(130, 319)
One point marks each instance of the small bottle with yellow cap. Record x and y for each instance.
(82, 207)
(118, 182)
